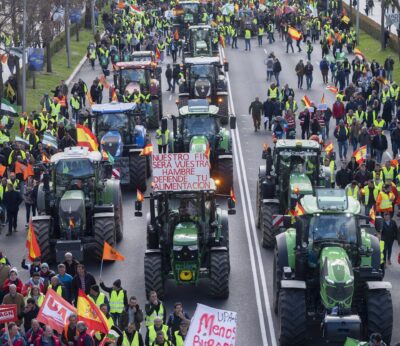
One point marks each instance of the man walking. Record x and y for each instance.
(255, 109)
(168, 76)
(12, 199)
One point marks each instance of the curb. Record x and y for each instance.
(75, 71)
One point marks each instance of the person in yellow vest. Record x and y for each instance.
(104, 309)
(247, 38)
(57, 286)
(118, 299)
(179, 336)
(162, 140)
(384, 202)
(154, 308)
(152, 331)
(131, 336)
(161, 340)
(379, 122)
(352, 190)
(260, 35)
(34, 293)
(98, 297)
(76, 105)
(369, 194)
(388, 171)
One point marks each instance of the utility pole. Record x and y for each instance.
(24, 59)
(93, 17)
(383, 8)
(67, 33)
(358, 22)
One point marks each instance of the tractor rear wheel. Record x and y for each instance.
(41, 228)
(292, 317)
(268, 234)
(104, 230)
(277, 275)
(153, 117)
(225, 173)
(380, 314)
(224, 111)
(219, 274)
(138, 172)
(153, 274)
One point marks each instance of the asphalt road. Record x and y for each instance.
(251, 273)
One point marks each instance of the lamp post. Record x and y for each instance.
(93, 17)
(24, 58)
(67, 33)
(358, 22)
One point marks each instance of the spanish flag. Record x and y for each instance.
(110, 254)
(31, 244)
(232, 195)
(294, 34)
(328, 148)
(299, 210)
(89, 313)
(176, 35)
(372, 215)
(332, 89)
(89, 98)
(158, 54)
(86, 138)
(358, 53)
(45, 159)
(139, 196)
(360, 154)
(71, 223)
(207, 152)
(147, 150)
(306, 101)
(323, 99)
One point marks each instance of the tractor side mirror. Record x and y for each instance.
(231, 206)
(232, 122)
(138, 209)
(174, 125)
(287, 221)
(379, 223)
(226, 66)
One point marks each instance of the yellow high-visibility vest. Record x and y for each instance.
(117, 301)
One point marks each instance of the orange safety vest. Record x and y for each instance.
(384, 202)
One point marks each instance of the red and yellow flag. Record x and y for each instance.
(158, 54)
(176, 35)
(71, 222)
(89, 98)
(357, 52)
(45, 159)
(147, 150)
(105, 155)
(89, 313)
(31, 244)
(332, 89)
(139, 196)
(372, 215)
(360, 154)
(306, 101)
(299, 210)
(323, 99)
(232, 195)
(110, 254)
(329, 148)
(294, 34)
(86, 138)
(221, 41)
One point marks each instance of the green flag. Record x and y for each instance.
(7, 107)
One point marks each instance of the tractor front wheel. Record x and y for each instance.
(138, 172)
(292, 317)
(380, 314)
(225, 174)
(153, 274)
(268, 234)
(219, 274)
(41, 227)
(104, 230)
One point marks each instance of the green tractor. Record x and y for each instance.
(197, 129)
(79, 207)
(294, 173)
(327, 270)
(199, 41)
(187, 240)
(204, 78)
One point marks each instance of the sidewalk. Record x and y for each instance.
(376, 16)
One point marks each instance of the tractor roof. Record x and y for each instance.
(330, 201)
(76, 153)
(113, 107)
(296, 143)
(202, 60)
(185, 2)
(198, 107)
(143, 53)
(199, 27)
(131, 65)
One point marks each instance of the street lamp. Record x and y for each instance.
(67, 33)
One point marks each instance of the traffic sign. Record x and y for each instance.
(392, 18)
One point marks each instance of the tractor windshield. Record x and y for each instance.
(69, 169)
(191, 8)
(333, 227)
(298, 162)
(188, 206)
(133, 75)
(199, 126)
(201, 71)
(112, 121)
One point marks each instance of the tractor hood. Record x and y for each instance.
(198, 144)
(302, 182)
(202, 88)
(132, 86)
(72, 210)
(111, 142)
(185, 234)
(337, 278)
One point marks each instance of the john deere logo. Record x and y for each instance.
(186, 275)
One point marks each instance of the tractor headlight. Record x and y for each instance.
(177, 248)
(193, 247)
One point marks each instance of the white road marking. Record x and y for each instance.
(170, 97)
(265, 51)
(244, 191)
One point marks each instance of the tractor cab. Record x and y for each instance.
(187, 13)
(199, 41)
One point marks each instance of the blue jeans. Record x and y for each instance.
(378, 154)
(354, 144)
(343, 146)
(276, 75)
(247, 42)
(309, 80)
(389, 75)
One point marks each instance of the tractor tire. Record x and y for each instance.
(277, 275)
(223, 112)
(292, 317)
(138, 172)
(41, 228)
(258, 204)
(268, 234)
(225, 172)
(103, 230)
(380, 314)
(153, 274)
(219, 274)
(149, 166)
(153, 118)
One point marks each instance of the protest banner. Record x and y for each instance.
(181, 172)
(212, 327)
(8, 313)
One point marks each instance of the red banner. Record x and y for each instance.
(8, 313)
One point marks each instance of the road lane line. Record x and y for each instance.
(240, 162)
(265, 51)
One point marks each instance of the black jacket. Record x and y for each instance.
(343, 177)
(12, 200)
(389, 232)
(380, 142)
(76, 284)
